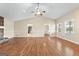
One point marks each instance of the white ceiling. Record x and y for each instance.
(18, 11)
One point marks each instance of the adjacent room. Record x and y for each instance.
(39, 29)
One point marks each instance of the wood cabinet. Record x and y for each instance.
(1, 21)
(1, 32)
(1, 27)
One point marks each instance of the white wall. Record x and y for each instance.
(74, 15)
(38, 23)
(8, 28)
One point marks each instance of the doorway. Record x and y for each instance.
(50, 29)
(29, 29)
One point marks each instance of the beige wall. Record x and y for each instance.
(71, 16)
(8, 28)
(38, 26)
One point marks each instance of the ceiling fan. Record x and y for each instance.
(38, 11)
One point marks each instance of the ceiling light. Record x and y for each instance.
(39, 11)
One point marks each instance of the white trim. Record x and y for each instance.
(27, 28)
(1, 26)
(29, 25)
(68, 40)
(34, 36)
(29, 36)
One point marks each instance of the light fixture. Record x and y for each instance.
(39, 11)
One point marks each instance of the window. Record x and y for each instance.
(51, 28)
(69, 26)
(59, 27)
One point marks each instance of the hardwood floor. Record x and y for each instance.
(42, 46)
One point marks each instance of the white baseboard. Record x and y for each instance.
(68, 40)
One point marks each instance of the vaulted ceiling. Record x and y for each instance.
(18, 11)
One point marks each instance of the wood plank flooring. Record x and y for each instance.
(38, 46)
